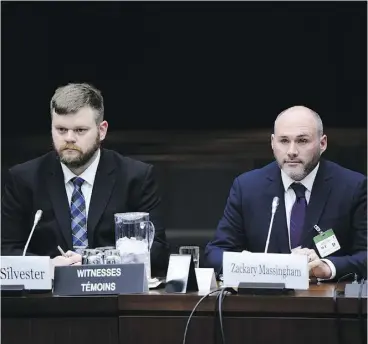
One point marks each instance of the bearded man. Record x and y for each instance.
(79, 187)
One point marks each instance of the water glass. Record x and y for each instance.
(112, 256)
(193, 251)
(82, 250)
(93, 256)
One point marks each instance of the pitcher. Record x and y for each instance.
(134, 235)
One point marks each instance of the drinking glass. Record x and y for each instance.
(193, 251)
(93, 256)
(112, 256)
(82, 250)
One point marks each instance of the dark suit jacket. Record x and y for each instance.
(338, 201)
(121, 185)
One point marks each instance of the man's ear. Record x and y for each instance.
(323, 144)
(103, 129)
(272, 139)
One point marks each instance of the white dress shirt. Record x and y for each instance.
(89, 177)
(290, 198)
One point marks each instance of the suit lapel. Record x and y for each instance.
(279, 235)
(319, 196)
(56, 187)
(102, 187)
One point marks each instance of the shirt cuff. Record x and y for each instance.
(332, 267)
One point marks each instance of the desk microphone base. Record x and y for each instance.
(12, 290)
(263, 289)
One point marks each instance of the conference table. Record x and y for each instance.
(309, 316)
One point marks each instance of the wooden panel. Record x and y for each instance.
(34, 305)
(59, 330)
(165, 330)
(289, 331)
(199, 146)
(250, 330)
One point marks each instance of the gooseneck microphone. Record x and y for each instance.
(275, 204)
(37, 218)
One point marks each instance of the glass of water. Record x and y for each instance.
(93, 256)
(192, 250)
(112, 256)
(82, 250)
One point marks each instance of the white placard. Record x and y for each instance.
(291, 269)
(31, 271)
(206, 279)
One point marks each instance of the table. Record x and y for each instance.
(157, 317)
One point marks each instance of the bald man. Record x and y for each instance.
(315, 195)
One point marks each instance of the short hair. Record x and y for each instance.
(71, 98)
(315, 114)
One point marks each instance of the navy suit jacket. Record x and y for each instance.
(338, 201)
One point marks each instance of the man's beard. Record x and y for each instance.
(81, 159)
(305, 167)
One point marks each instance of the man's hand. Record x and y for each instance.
(71, 258)
(317, 267)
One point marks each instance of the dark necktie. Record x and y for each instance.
(297, 214)
(78, 214)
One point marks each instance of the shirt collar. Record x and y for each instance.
(307, 181)
(88, 175)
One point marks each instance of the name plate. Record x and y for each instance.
(33, 272)
(291, 269)
(100, 279)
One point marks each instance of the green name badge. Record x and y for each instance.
(326, 243)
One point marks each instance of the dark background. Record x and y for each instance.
(186, 65)
(217, 73)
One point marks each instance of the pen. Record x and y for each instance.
(62, 252)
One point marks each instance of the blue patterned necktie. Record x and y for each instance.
(78, 214)
(297, 214)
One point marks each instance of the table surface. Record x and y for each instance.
(318, 299)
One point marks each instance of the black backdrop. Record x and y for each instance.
(186, 65)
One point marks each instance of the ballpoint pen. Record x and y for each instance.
(62, 252)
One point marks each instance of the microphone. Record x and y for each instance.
(275, 204)
(260, 288)
(37, 218)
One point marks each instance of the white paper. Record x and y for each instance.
(206, 279)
